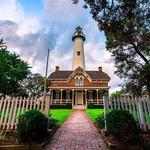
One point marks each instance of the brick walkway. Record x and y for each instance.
(77, 133)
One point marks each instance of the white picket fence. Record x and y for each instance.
(138, 107)
(11, 108)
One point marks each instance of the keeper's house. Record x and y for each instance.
(78, 86)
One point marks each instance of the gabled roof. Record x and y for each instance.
(64, 74)
(61, 74)
(98, 75)
(80, 70)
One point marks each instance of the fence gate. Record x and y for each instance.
(137, 106)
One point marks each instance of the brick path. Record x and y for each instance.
(77, 133)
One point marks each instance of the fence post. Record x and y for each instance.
(106, 107)
(47, 103)
(141, 114)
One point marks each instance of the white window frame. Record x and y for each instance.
(79, 80)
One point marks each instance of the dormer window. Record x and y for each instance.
(79, 80)
(78, 53)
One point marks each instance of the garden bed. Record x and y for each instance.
(11, 142)
(141, 142)
(115, 144)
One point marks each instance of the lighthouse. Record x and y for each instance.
(78, 39)
(78, 87)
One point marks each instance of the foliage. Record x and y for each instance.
(122, 125)
(94, 113)
(60, 114)
(116, 94)
(12, 71)
(58, 106)
(33, 84)
(2, 44)
(52, 123)
(91, 105)
(32, 126)
(100, 121)
(138, 83)
(126, 24)
(2, 134)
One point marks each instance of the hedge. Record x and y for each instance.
(61, 106)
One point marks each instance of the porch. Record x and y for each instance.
(77, 97)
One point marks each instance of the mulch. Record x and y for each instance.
(10, 138)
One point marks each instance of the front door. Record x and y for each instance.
(79, 98)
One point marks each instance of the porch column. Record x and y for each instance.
(51, 97)
(86, 97)
(61, 95)
(97, 96)
(72, 97)
(82, 99)
(75, 97)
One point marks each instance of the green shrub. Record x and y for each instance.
(32, 126)
(53, 123)
(122, 125)
(100, 121)
(92, 106)
(68, 105)
(58, 106)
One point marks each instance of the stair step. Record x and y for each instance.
(79, 107)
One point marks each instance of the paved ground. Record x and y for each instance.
(77, 133)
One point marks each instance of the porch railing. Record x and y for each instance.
(65, 101)
(59, 101)
(95, 101)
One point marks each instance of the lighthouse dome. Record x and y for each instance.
(78, 33)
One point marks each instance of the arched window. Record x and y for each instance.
(76, 80)
(79, 80)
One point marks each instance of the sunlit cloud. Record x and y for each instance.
(31, 35)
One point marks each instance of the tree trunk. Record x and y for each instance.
(139, 53)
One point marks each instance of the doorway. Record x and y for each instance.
(79, 98)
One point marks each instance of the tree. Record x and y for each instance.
(126, 24)
(33, 85)
(138, 82)
(116, 94)
(12, 71)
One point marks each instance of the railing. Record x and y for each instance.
(59, 101)
(138, 107)
(65, 101)
(95, 101)
(11, 108)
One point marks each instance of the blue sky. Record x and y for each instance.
(30, 27)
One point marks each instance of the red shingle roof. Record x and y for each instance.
(98, 75)
(95, 75)
(60, 75)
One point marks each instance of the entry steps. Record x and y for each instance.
(79, 107)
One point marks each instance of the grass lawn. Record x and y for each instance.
(93, 113)
(60, 114)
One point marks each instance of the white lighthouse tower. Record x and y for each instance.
(78, 39)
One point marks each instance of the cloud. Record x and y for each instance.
(64, 12)
(8, 10)
(96, 55)
(31, 36)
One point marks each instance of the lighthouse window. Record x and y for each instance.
(78, 53)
